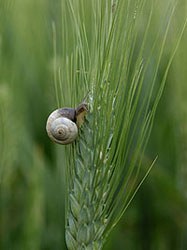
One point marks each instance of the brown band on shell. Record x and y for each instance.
(69, 113)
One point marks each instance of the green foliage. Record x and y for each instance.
(118, 51)
(115, 64)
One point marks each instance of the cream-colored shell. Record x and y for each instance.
(60, 129)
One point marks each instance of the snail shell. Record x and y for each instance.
(61, 127)
(62, 124)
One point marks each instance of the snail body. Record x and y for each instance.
(62, 124)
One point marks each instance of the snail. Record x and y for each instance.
(63, 124)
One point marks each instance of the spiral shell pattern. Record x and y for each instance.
(61, 129)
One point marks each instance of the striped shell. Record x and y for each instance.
(61, 129)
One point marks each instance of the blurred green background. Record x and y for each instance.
(31, 167)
